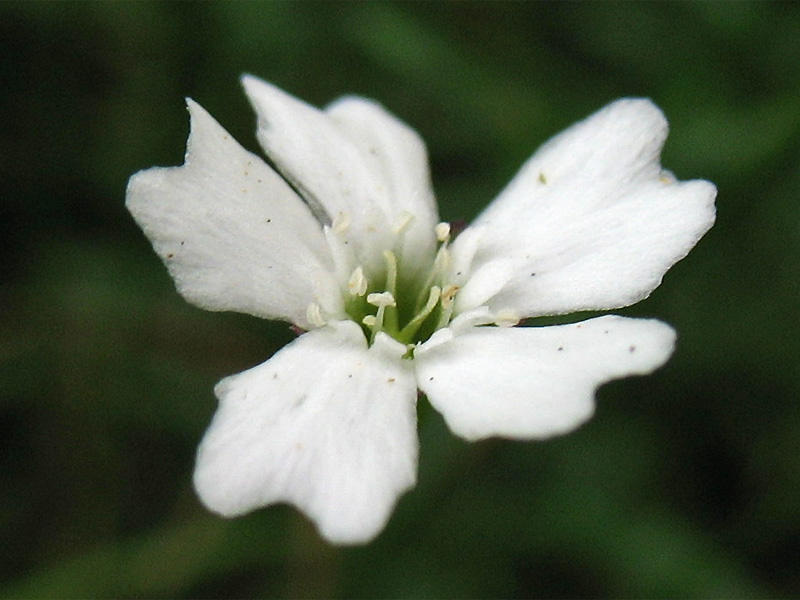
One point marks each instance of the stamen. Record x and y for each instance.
(405, 221)
(391, 287)
(436, 300)
(433, 298)
(448, 294)
(314, 315)
(341, 222)
(448, 303)
(442, 231)
(440, 264)
(357, 284)
(442, 260)
(506, 318)
(391, 271)
(381, 299)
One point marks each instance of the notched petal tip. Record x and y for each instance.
(203, 128)
(625, 132)
(223, 222)
(264, 96)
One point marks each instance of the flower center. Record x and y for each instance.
(407, 309)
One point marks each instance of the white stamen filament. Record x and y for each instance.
(405, 221)
(381, 300)
(442, 260)
(391, 271)
(440, 264)
(391, 287)
(415, 323)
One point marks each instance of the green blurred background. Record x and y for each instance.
(685, 484)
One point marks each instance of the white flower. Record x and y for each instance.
(346, 243)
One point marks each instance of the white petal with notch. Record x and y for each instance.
(352, 158)
(591, 222)
(233, 235)
(326, 424)
(534, 382)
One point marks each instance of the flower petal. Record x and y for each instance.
(232, 233)
(355, 159)
(534, 382)
(398, 156)
(591, 222)
(325, 424)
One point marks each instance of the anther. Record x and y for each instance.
(506, 318)
(314, 315)
(448, 295)
(357, 284)
(381, 299)
(341, 222)
(442, 231)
